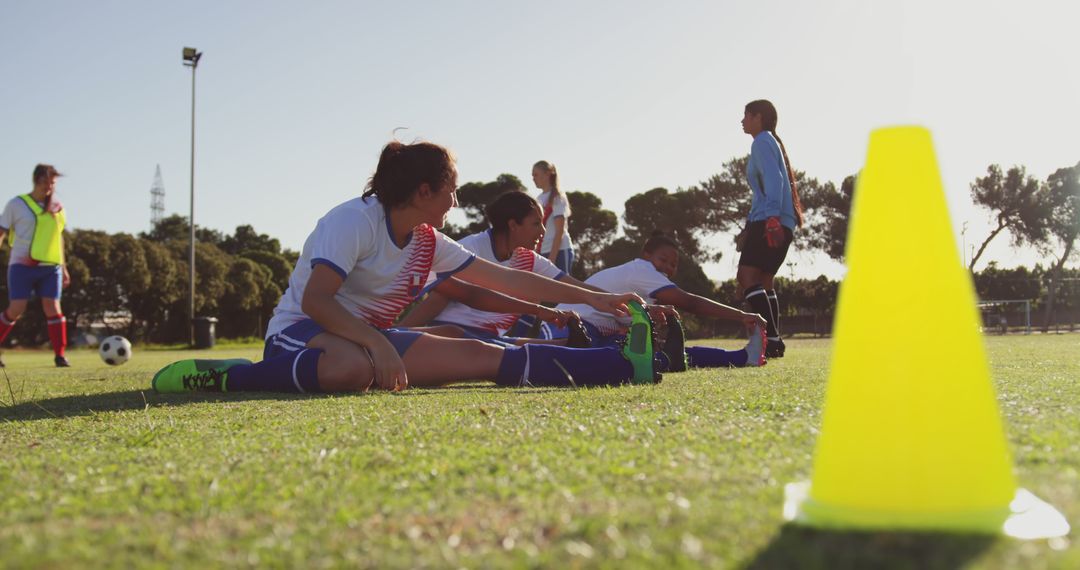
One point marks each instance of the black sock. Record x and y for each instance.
(774, 304)
(759, 302)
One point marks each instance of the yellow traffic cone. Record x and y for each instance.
(911, 436)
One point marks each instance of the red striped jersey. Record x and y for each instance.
(380, 277)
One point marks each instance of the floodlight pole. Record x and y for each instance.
(191, 59)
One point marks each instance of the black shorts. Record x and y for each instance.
(757, 253)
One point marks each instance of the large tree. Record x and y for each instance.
(826, 211)
(1063, 202)
(592, 228)
(681, 214)
(473, 197)
(1013, 199)
(726, 204)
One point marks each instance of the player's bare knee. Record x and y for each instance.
(343, 371)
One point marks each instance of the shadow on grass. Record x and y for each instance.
(799, 547)
(89, 404)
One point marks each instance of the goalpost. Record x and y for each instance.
(994, 313)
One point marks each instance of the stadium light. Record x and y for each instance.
(191, 59)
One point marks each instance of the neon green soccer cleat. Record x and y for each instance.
(195, 376)
(638, 348)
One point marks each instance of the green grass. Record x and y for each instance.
(95, 470)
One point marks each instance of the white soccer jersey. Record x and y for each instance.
(559, 206)
(19, 221)
(381, 278)
(483, 245)
(637, 276)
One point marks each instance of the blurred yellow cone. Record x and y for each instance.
(911, 436)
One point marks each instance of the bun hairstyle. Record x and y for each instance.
(767, 111)
(659, 240)
(404, 167)
(512, 205)
(553, 173)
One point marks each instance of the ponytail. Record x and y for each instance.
(791, 179)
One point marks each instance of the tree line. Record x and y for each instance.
(137, 285)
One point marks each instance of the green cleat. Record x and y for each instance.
(638, 348)
(195, 376)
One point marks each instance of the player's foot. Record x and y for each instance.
(2, 365)
(638, 346)
(61, 362)
(675, 345)
(577, 336)
(775, 347)
(195, 376)
(755, 349)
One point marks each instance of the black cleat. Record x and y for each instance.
(61, 362)
(578, 337)
(775, 348)
(675, 345)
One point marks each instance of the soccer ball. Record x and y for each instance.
(115, 350)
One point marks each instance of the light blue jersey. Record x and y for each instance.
(767, 175)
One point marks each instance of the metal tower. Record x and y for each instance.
(157, 199)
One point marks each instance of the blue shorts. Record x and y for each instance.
(477, 333)
(296, 336)
(45, 280)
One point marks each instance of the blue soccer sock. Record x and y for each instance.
(296, 372)
(539, 365)
(707, 357)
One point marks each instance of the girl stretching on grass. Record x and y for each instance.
(650, 276)
(365, 261)
(516, 229)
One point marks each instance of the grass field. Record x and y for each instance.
(96, 470)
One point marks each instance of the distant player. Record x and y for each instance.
(365, 261)
(650, 276)
(34, 224)
(775, 211)
(555, 216)
(516, 229)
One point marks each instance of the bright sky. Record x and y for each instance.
(295, 100)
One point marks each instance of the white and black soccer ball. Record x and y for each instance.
(115, 350)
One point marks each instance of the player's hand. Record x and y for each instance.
(740, 240)
(67, 277)
(389, 369)
(659, 313)
(751, 319)
(774, 232)
(614, 304)
(554, 316)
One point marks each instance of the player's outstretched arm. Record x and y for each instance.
(426, 311)
(699, 305)
(319, 304)
(532, 286)
(567, 279)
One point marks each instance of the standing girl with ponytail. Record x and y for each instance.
(556, 208)
(775, 212)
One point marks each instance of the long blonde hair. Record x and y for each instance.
(553, 176)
